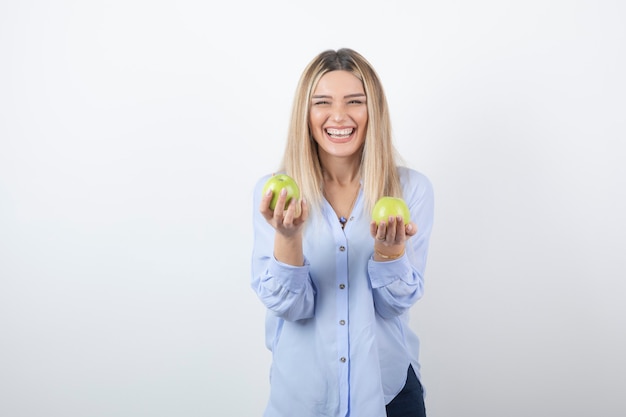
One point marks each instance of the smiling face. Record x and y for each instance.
(338, 114)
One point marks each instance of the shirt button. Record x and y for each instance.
(342, 248)
(342, 359)
(342, 322)
(342, 286)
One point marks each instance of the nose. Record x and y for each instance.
(338, 112)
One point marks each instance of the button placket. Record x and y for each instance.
(343, 335)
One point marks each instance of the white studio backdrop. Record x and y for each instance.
(132, 132)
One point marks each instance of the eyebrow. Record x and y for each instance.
(347, 96)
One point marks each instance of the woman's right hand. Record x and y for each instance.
(287, 222)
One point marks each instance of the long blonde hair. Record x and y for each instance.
(379, 157)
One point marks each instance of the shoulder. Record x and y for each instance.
(414, 182)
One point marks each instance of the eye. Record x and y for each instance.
(356, 101)
(320, 102)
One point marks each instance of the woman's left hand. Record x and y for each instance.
(390, 237)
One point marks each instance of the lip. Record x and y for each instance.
(339, 134)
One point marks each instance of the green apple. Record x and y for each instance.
(276, 183)
(387, 206)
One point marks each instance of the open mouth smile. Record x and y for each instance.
(339, 134)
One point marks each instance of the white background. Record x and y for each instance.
(132, 132)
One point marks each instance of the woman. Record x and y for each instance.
(337, 286)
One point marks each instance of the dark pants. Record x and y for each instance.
(410, 401)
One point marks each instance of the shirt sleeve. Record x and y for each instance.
(398, 284)
(284, 289)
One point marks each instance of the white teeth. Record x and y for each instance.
(339, 132)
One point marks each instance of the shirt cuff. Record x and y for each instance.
(293, 278)
(384, 273)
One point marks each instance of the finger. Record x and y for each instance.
(264, 206)
(298, 208)
(411, 229)
(373, 229)
(304, 208)
(290, 214)
(279, 210)
(391, 229)
(381, 232)
(399, 229)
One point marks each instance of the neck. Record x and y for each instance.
(341, 171)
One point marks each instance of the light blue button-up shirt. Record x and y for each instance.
(337, 326)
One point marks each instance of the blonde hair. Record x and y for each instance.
(379, 158)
